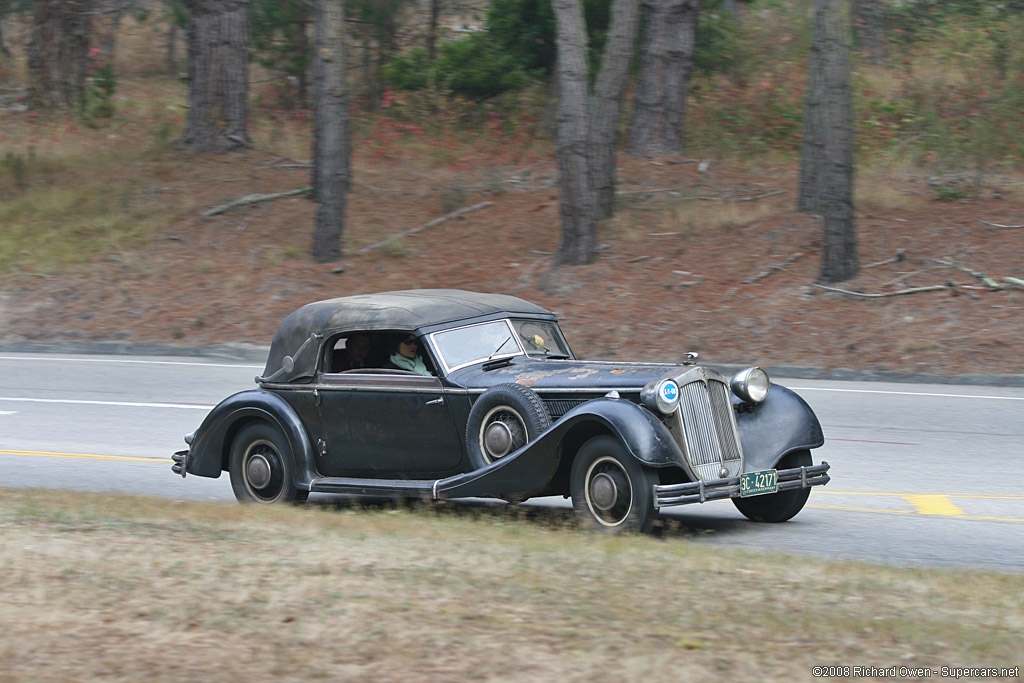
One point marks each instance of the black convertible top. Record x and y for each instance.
(412, 309)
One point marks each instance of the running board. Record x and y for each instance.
(404, 488)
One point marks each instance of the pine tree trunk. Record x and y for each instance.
(331, 144)
(839, 260)
(578, 238)
(435, 17)
(665, 66)
(871, 29)
(58, 53)
(606, 104)
(172, 44)
(218, 71)
(812, 142)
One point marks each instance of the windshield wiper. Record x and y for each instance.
(500, 347)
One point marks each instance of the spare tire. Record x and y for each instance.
(504, 419)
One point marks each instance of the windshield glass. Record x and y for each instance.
(476, 343)
(541, 338)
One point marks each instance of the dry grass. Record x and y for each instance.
(129, 589)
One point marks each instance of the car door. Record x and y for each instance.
(386, 425)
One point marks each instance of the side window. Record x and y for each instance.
(352, 351)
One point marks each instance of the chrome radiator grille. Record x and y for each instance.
(705, 421)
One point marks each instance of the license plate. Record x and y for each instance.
(759, 483)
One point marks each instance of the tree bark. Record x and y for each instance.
(218, 72)
(606, 104)
(871, 29)
(577, 211)
(665, 66)
(839, 249)
(58, 53)
(331, 144)
(435, 17)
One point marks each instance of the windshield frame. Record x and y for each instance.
(439, 349)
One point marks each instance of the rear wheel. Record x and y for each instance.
(611, 491)
(261, 466)
(781, 506)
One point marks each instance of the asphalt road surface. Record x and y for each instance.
(921, 474)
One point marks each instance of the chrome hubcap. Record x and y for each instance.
(498, 439)
(257, 470)
(603, 492)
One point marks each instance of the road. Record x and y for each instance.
(923, 475)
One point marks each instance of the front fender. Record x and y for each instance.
(208, 453)
(783, 423)
(533, 467)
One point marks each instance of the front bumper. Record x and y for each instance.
(180, 458)
(668, 495)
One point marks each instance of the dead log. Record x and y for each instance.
(255, 199)
(997, 225)
(772, 269)
(428, 224)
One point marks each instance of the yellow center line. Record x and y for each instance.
(911, 512)
(901, 494)
(81, 456)
(934, 505)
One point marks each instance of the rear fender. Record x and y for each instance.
(781, 424)
(208, 453)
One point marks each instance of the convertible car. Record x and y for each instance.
(448, 394)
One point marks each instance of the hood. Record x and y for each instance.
(572, 375)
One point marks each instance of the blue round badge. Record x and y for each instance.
(669, 391)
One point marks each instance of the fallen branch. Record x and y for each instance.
(772, 269)
(913, 290)
(1014, 281)
(997, 225)
(255, 199)
(428, 224)
(761, 196)
(663, 189)
(638, 259)
(901, 255)
(986, 280)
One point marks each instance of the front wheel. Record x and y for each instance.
(781, 506)
(261, 466)
(611, 491)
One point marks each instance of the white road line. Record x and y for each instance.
(908, 393)
(8, 412)
(125, 360)
(128, 404)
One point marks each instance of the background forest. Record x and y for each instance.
(113, 229)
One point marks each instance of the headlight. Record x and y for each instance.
(751, 385)
(662, 395)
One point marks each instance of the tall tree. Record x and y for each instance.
(665, 66)
(577, 209)
(218, 75)
(826, 169)
(58, 53)
(606, 104)
(331, 143)
(869, 19)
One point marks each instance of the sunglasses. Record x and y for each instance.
(413, 341)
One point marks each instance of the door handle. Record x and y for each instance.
(436, 402)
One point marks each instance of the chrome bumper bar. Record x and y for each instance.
(179, 459)
(702, 491)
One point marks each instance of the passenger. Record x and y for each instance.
(405, 356)
(355, 355)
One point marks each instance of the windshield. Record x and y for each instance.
(541, 338)
(475, 343)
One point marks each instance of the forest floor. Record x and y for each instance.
(706, 257)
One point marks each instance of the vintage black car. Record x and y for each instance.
(491, 402)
